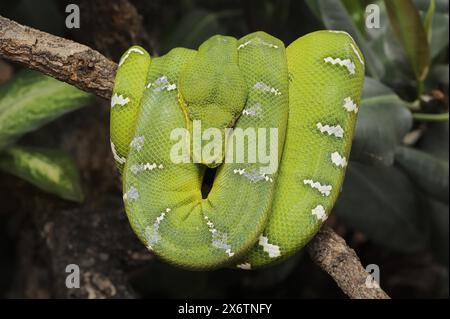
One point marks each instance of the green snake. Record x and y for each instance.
(254, 215)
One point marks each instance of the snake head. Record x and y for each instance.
(212, 86)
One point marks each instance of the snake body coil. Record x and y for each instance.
(253, 216)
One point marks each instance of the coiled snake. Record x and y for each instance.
(258, 211)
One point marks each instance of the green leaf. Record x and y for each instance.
(383, 121)
(51, 170)
(356, 9)
(428, 23)
(335, 17)
(398, 72)
(423, 5)
(31, 100)
(429, 173)
(407, 24)
(436, 140)
(438, 216)
(439, 40)
(436, 22)
(381, 203)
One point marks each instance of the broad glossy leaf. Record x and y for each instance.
(436, 24)
(31, 100)
(356, 10)
(440, 34)
(407, 24)
(381, 203)
(335, 17)
(398, 72)
(441, 5)
(438, 215)
(428, 22)
(399, 75)
(429, 173)
(435, 141)
(383, 120)
(51, 170)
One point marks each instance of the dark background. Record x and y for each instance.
(383, 213)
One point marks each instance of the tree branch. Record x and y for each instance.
(60, 58)
(89, 70)
(330, 252)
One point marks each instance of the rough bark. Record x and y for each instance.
(330, 252)
(60, 58)
(89, 70)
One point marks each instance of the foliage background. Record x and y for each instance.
(393, 209)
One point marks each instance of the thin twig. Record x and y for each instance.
(88, 70)
(428, 117)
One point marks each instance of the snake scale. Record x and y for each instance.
(254, 215)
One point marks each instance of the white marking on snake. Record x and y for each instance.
(272, 250)
(219, 239)
(323, 189)
(258, 41)
(338, 160)
(119, 100)
(266, 88)
(351, 44)
(131, 194)
(347, 63)
(349, 105)
(340, 32)
(136, 50)
(243, 45)
(320, 213)
(357, 53)
(136, 168)
(119, 159)
(262, 42)
(253, 110)
(245, 266)
(336, 130)
(161, 84)
(253, 176)
(137, 142)
(151, 232)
